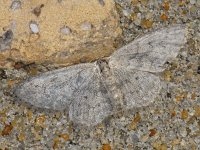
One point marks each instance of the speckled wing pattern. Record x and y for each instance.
(78, 89)
(138, 88)
(150, 52)
(83, 89)
(134, 65)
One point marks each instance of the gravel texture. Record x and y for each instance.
(170, 122)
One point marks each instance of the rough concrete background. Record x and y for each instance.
(171, 122)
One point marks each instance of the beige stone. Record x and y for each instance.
(57, 31)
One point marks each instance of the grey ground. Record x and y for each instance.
(171, 122)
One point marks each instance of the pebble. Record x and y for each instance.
(138, 19)
(106, 147)
(7, 129)
(183, 132)
(65, 30)
(86, 26)
(15, 5)
(101, 2)
(193, 10)
(149, 15)
(183, 142)
(34, 27)
(192, 2)
(37, 10)
(135, 138)
(127, 12)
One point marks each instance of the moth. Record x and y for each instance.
(90, 92)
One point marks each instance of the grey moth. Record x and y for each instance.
(90, 92)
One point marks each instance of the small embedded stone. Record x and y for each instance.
(193, 96)
(167, 75)
(64, 136)
(152, 132)
(15, 5)
(40, 120)
(147, 24)
(135, 121)
(138, 19)
(127, 12)
(192, 2)
(164, 17)
(166, 6)
(21, 137)
(86, 26)
(134, 2)
(19, 65)
(37, 10)
(7, 129)
(56, 143)
(65, 30)
(173, 113)
(34, 27)
(197, 111)
(181, 96)
(184, 114)
(6, 40)
(144, 2)
(106, 147)
(101, 2)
